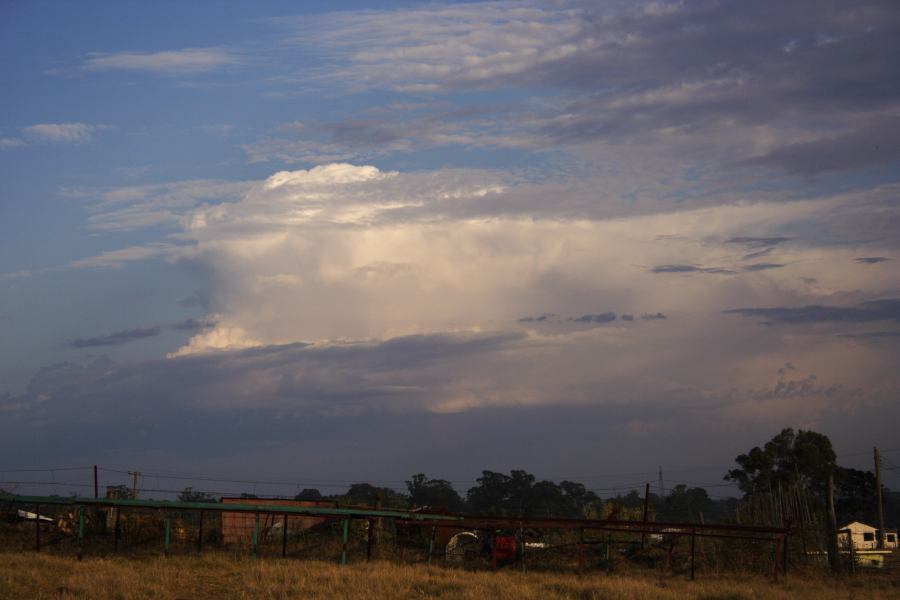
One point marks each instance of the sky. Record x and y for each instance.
(352, 241)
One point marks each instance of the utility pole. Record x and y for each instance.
(134, 485)
(662, 491)
(833, 556)
(96, 486)
(880, 534)
(646, 509)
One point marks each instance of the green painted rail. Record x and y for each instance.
(347, 513)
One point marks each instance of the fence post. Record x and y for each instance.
(284, 532)
(431, 543)
(346, 540)
(693, 543)
(80, 532)
(116, 530)
(167, 535)
(776, 550)
(833, 552)
(255, 533)
(852, 552)
(37, 528)
(580, 550)
(784, 555)
(200, 534)
(522, 546)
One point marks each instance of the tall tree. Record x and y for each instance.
(436, 493)
(789, 458)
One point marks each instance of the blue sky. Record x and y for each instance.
(673, 224)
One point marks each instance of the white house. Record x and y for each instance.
(865, 537)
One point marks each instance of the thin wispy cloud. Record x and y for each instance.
(188, 61)
(62, 133)
(116, 338)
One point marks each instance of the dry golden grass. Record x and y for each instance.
(31, 576)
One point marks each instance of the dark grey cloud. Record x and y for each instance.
(650, 317)
(810, 70)
(627, 317)
(606, 317)
(873, 145)
(116, 338)
(538, 319)
(763, 266)
(872, 335)
(758, 242)
(758, 254)
(690, 269)
(876, 310)
(871, 260)
(194, 300)
(193, 324)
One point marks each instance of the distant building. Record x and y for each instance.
(865, 537)
(237, 527)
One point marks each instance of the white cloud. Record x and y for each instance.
(116, 258)
(351, 252)
(63, 133)
(10, 143)
(168, 62)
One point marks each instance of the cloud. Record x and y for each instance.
(133, 207)
(871, 260)
(538, 319)
(111, 259)
(627, 317)
(757, 242)
(872, 311)
(650, 317)
(690, 269)
(758, 254)
(626, 74)
(62, 133)
(762, 267)
(116, 338)
(607, 317)
(188, 61)
(192, 324)
(869, 146)
(6, 143)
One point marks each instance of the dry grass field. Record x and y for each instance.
(28, 575)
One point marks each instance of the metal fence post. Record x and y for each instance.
(431, 543)
(80, 532)
(37, 528)
(284, 532)
(167, 534)
(255, 533)
(580, 550)
(200, 535)
(693, 542)
(346, 539)
(116, 531)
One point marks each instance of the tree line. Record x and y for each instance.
(790, 460)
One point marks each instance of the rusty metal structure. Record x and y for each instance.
(263, 515)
